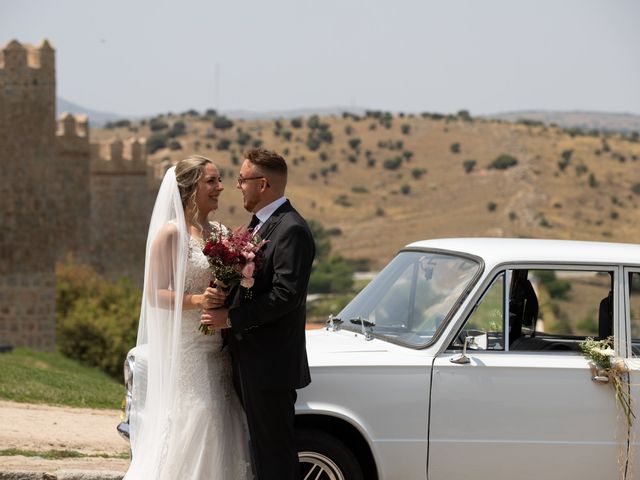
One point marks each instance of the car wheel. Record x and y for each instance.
(324, 457)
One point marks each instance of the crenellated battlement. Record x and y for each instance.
(116, 156)
(16, 57)
(69, 125)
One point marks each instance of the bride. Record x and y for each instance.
(191, 425)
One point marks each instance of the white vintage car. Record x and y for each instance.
(461, 360)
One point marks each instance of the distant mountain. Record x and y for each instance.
(96, 118)
(604, 121)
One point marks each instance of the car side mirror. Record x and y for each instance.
(474, 342)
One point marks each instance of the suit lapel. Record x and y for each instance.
(272, 222)
(264, 232)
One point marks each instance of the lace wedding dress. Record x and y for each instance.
(208, 440)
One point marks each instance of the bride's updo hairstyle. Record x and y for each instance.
(188, 172)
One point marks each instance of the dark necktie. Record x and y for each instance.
(254, 222)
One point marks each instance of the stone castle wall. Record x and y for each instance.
(120, 209)
(60, 195)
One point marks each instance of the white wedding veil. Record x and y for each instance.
(159, 332)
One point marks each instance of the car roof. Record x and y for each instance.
(500, 250)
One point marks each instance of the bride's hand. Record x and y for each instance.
(213, 298)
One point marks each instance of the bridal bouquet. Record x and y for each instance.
(232, 257)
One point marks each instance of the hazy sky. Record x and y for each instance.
(148, 56)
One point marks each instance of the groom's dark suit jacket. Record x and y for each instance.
(268, 330)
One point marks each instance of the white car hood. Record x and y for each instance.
(347, 348)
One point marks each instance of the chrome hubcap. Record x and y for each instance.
(315, 466)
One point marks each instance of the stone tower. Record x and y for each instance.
(27, 165)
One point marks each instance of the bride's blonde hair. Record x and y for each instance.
(188, 173)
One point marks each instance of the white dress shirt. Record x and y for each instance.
(265, 212)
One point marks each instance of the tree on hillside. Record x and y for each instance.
(503, 162)
(331, 273)
(222, 123)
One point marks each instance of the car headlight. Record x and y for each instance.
(129, 365)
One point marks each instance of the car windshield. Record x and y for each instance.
(409, 299)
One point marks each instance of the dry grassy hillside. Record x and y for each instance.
(591, 193)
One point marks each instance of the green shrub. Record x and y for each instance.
(117, 124)
(174, 145)
(156, 124)
(503, 162)
(243, 138)
(96, 320)
(222, 123)
(177, 129)
(405, 189)
(343, 201)
(469, 165)
(313, 142)
(321, 239)
(455, 147)
(582, 168)
(417, 173)
(156, 141)
(558, 289)
(405, 129)
(491, 206)
(223, 144)
(354, 143)
(333, 275)
(465, 115)
(296, 122)
(636, 188)
(393, 163)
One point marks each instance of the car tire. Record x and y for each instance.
(324, 457)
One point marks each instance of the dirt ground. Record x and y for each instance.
(43, 427)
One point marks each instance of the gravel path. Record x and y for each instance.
(43, 427)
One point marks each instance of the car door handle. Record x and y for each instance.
(600, 378)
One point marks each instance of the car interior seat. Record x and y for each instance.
(523, 306)
(605, 317)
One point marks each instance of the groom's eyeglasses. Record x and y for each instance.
(242, 180)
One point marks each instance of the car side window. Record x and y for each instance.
(554, 310)
(634, 310)
(488, 315)
(549, 310)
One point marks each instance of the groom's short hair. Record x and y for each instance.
(267, 160)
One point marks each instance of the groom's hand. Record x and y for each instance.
(215, 318)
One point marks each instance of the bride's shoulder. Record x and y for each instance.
(168, 232)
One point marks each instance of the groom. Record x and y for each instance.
(268, 329)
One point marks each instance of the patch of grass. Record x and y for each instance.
(58, 454)
(29, 376)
